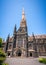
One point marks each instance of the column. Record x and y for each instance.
(16, 42)
(22, 54)
(43, 48)
(23, 42)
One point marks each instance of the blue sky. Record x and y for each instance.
(11, 14)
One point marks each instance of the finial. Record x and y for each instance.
(23, 11)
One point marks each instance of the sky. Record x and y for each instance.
(11, 14)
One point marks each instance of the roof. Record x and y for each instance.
(30, 38)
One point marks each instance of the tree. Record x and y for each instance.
(0, 42)
(2, 53)
(2, 56)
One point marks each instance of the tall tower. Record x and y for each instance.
(22, 37)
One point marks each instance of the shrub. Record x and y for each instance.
(4, 63)
(42, 60)
(2, 59)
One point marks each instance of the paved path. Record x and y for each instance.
(23, 61)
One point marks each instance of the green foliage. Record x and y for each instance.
(4, 63)
(2, 56)
(0, 42)
(42, 60)
(2, 59)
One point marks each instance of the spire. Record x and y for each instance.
(23, 21)
(23, 14)
(8, 37)
(7, 41)
(33, 36)
(15, 29)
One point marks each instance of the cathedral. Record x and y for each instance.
(23, 45)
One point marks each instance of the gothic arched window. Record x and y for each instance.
(10, 46)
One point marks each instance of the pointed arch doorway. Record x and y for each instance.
(18, 53)
(30, 54)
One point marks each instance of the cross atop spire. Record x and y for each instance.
(23, 14)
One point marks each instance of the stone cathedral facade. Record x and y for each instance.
(22, 45)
